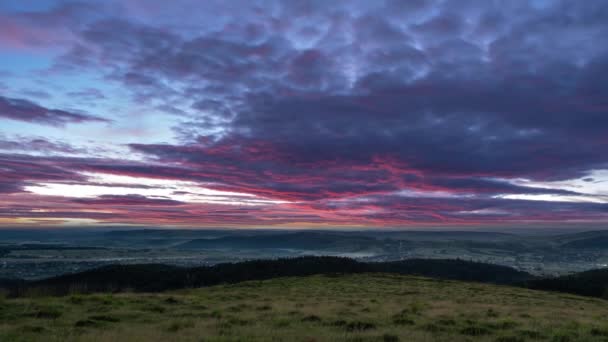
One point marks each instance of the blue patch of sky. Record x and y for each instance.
(13, 6)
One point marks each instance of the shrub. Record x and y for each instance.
(311, 318)
(171, 300)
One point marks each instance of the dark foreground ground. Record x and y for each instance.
(356, 307)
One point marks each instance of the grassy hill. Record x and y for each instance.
(356, 307)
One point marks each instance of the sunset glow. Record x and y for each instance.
(305, 114)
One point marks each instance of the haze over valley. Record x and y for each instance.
(34, 254)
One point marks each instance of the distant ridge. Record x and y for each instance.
(296, 240)
(600, 242)
(158, 277)
(593, 283)
(153, 277)
(585, 240)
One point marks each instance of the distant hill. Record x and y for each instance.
(592, 283)
(298, 240)
(599, 242)
(563, 238)
(166, 233)
(158, 277)
(419, 235)
(596, 239)
(151, 278)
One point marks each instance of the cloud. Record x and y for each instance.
(37, 145)
(466, 114)
(25, 110)
(9, 187)
(32, 30)
(113, 200)
(370, 112)
(88, 94)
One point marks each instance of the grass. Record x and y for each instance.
(363, 307)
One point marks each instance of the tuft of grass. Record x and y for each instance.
(155, 308)
(282, 323)
(433, 328)
(76, 299)
(359, 326)
(312, 318)
(599, 332)
(86, 323)
(475, 330)
(390, 338)
(105, 318)
(446, 322)
(403, 321)
(492, 313)
(45, 313)
(179, 325)
(510, 339)
(32, 329)
(531, 334)
(171, 300)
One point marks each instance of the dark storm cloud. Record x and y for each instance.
(25, 110)
(447, 92)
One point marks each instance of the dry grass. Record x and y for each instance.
(319, 308)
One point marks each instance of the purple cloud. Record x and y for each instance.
(25, 110)
(393, 112)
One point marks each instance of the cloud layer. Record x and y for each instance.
(388, 113)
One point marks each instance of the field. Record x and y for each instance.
(362, 307)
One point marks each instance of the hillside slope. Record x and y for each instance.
(360, 307)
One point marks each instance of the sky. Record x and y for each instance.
(303, 113)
